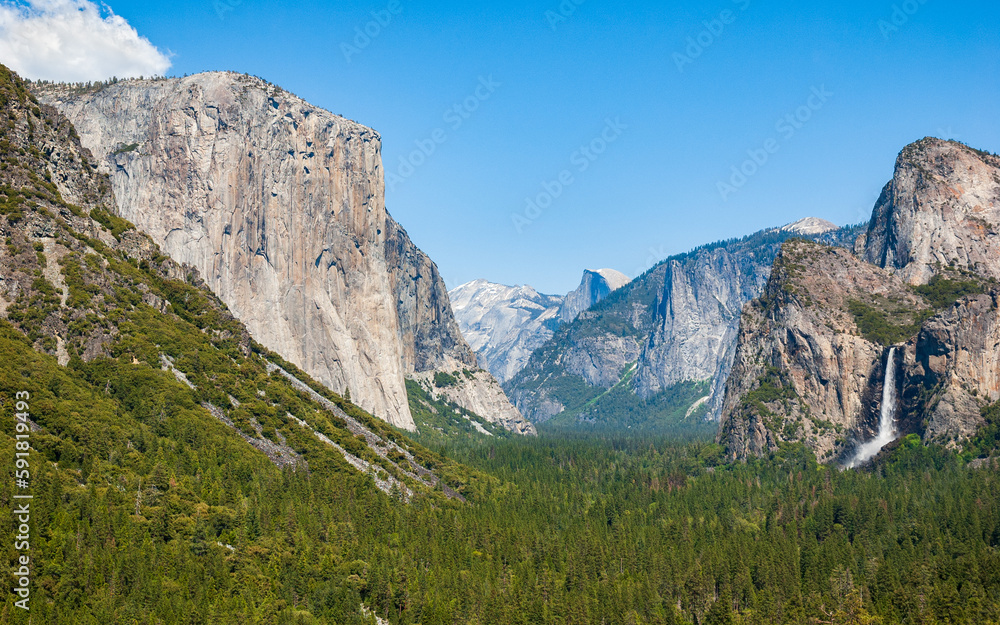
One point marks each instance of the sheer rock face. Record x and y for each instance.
(677, 323)
(506, 324)
(429, 333)
(941, 208)
(936, 217)
(697, 318)
(280, 206)
(595, 286)
(801, 339)
(957, 355)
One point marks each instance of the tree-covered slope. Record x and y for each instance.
(181, 473)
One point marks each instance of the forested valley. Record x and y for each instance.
(154, 504)
(584, 530)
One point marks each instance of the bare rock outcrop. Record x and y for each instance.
(674, 326)
(941, 209)
(479, 392)
(697, 317)
(504, 324)
(813, 350)
(953, 368)
(803, 372)
(280, 205)
(594, 287)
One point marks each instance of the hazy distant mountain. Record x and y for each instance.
(595, 286)
(506, 324)
(663, 343)
(810, 226)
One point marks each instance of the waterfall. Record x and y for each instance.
(887, 423)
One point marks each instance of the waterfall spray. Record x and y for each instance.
(887, 422)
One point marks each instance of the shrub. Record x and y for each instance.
(942, 292)
(443, 380)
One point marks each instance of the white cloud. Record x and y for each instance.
(73, 41)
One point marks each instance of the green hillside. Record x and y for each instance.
(181, 474)
(179, 469)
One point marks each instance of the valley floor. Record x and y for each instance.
(555, 530)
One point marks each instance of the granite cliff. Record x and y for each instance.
(660, 347)
(128, 347)
(803, 371)
(941, 209)
(813, 350)
(505, 324)
(594, 288)
(280, 206)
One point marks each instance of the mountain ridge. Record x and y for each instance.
(505, 324)
(281, 206)
(674, 326)
(920, 283)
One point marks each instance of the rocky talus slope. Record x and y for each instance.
(813, 350)
(280, 206)
(150, 345)
(674, 325)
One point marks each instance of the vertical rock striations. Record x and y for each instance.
(594, 287)
(803, 370)
(953, 369)
(674, 325)
(811, 358)
(428, 332)
(941, 209)
(696, 320)
(280, 206)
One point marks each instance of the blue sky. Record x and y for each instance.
(664, 118)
